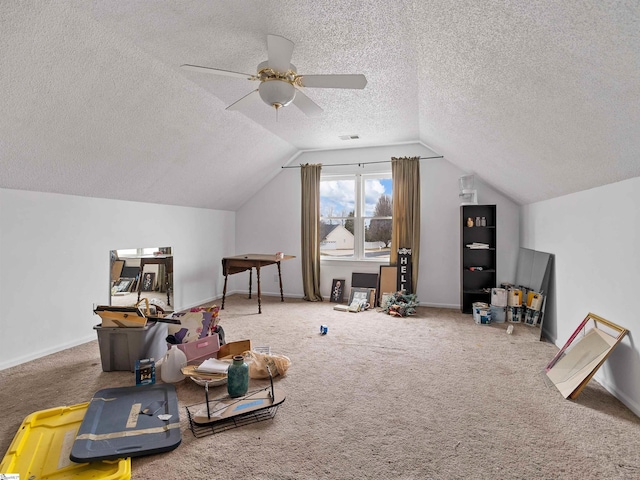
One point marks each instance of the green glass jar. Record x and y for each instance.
(238, 377)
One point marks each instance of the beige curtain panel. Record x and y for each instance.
(406, 212)
(310, 235)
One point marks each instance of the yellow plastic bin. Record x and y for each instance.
(41, 449)
(120, 347)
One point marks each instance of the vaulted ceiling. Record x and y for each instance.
(539, 99)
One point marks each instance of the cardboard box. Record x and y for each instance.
(234, 348)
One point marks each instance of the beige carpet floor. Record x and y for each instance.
(431, 396)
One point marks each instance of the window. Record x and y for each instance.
(136, 252)
(356, 216)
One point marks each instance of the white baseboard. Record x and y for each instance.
(34, 355)
(218, 298)
(201, 302)
(630, 403)
(439, 305)
(264, 294)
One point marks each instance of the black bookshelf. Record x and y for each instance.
(478, 266)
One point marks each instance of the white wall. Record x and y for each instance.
(54, 262)
(54, 249)
(595, 236)
(270, 222)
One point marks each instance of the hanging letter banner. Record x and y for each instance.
(404, 270)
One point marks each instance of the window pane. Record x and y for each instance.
(355, 216)
(377, 203)
(336, 240)
(377, 238)
(377, 197)
(337, 209)
(337, 198)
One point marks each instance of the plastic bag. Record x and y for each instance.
(278, 364)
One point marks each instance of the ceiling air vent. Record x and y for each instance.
(349, 137)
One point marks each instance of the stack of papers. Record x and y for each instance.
(213, 365)
(477, 245)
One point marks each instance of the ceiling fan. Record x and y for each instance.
(278, 79)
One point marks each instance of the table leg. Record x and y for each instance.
(140, 282)
(224, 290)
(250, 273)
(259, 291)
(166, 284)
(280, 278)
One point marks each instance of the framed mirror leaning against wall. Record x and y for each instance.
(142, 273)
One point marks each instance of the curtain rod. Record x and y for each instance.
(359, 163)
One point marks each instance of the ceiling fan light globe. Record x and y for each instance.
(277, 93)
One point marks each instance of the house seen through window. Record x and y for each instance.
(356, 216)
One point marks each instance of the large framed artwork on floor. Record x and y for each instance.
(388, 281)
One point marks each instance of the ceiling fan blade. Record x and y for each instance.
(280, 51)
(244, 101)
(306, 105)
(333, 81)
(217, 71)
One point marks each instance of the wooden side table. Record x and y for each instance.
(241, 263)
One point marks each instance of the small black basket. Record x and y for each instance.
(202, 430)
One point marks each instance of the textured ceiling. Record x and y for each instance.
(539, 99)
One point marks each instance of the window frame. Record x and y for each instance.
(359, 217)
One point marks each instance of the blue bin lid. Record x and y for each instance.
(124, 422)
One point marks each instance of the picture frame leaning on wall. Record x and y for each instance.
(337, 290)
(363, 296)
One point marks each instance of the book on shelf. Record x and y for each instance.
(478, 246)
